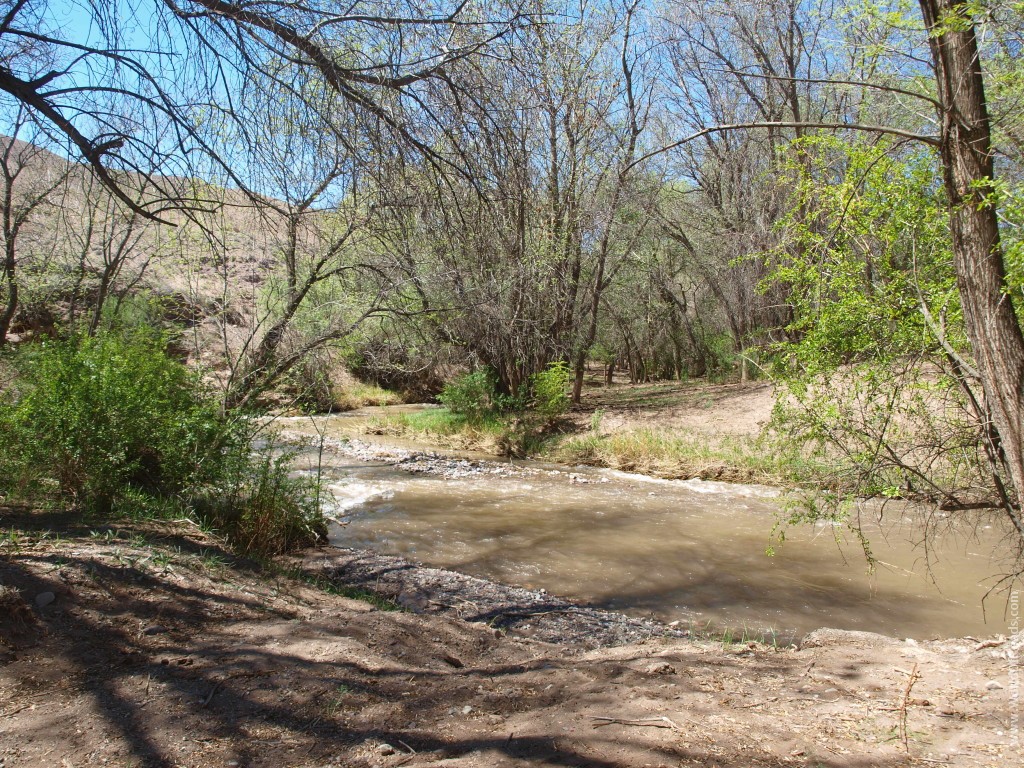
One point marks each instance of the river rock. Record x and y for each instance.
(43, 599)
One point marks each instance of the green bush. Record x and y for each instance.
(111, 425)
(550, 390)
(91, 418)
(471, 395)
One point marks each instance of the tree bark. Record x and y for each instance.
(989, 317)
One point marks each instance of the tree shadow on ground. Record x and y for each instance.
(152, 661)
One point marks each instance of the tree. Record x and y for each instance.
(990, 318)
(511, 263)
(28, 180)
(964, 144)
(160, 89)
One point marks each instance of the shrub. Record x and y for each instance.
(262, 509)
(471, 395)
(111, 425)
(90, 418)
(550, 395)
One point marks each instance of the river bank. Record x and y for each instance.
(691, 553)
(147, 644)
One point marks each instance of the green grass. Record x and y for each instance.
(447, 429)
(675, 454)
(331, 587)
(730, 637)
(518, 435)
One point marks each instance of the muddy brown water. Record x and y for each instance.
(688, 551)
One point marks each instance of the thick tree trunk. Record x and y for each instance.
(989, 316)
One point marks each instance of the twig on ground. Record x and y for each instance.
(914, 676)
(651, 722)
(990, 643)
(757, 703)
(209, 696)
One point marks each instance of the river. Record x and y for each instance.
(687, 551)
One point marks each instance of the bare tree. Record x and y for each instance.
(521, 256)
(176, 106)
(29, 178)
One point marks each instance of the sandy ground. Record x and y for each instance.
(694, 406)
(149, 646)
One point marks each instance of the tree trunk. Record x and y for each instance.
(989, 316)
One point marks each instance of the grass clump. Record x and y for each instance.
(685, 455)
(359, 395)
(326, 584)
(110, 425)
(445, 428)
(262, 508)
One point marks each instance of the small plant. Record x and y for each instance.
(332, 587)
(550, 390)
(336, 703)
(11, 541)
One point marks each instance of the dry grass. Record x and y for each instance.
(681, 454)
(356, 394)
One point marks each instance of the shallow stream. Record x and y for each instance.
(688, 551)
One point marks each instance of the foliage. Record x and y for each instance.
(550, 390)
(472, 395)
(90, 419)
(109, 424)
(866, 257)
(873, 383)
(261, 507)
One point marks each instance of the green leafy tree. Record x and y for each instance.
(875, 377)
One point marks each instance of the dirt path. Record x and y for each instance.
(149, 646)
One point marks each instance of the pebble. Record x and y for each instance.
(467, 709)
(661, 668)
(992, 685)
(43, 599)
(154, 629)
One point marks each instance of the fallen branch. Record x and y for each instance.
(914, 677)
(650, 722)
